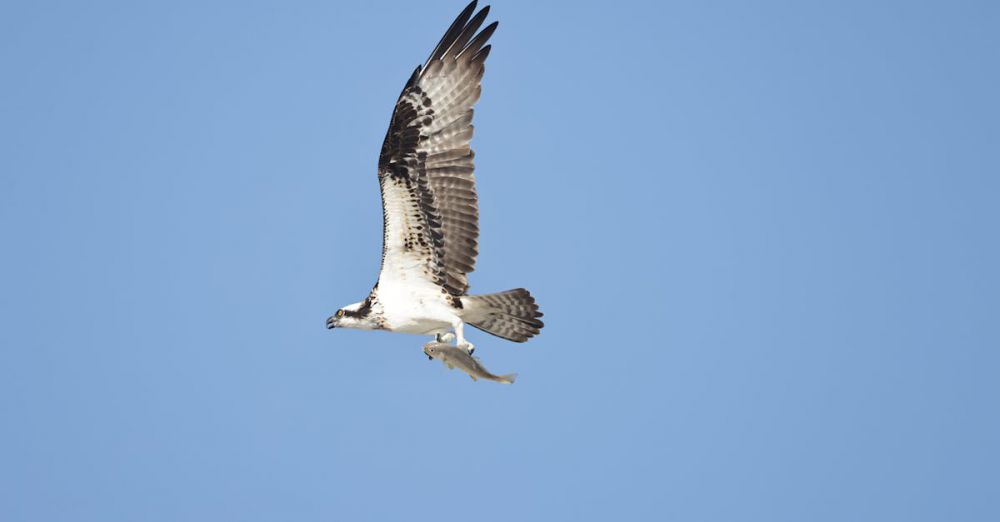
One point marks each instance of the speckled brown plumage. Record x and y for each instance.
(430, 206)
(427, 149)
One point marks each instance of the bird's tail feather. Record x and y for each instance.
(512, 315)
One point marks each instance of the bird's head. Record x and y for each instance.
(357, 315)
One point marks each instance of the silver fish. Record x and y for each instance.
(455, 357)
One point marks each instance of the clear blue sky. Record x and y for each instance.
(764, 235)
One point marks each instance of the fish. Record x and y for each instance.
(455, 357)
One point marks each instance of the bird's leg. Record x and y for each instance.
(461, 342)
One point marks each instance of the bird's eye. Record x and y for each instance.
(340, 313)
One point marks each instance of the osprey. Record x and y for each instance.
(429, 206)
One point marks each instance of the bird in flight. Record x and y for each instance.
(430, 213)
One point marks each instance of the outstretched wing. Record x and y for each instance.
(429, 204)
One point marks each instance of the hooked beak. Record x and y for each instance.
(331, 322)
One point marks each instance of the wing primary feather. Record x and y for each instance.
(481, 39)
(453, 31)
(482, 54)
(471, 27)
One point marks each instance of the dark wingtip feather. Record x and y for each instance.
(480, 40)
(470, 29)
(454, 30)
(482, 54)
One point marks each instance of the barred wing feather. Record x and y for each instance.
(429, 202)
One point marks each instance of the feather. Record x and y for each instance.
(429, 201)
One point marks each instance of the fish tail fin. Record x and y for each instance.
(509, 378)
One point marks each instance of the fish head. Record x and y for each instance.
(436, 350)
